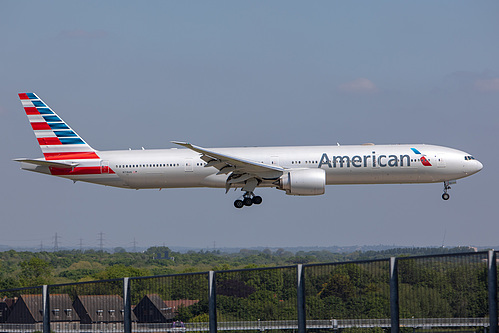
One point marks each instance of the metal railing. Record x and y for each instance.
(440, 291)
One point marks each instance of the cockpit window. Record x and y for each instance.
(468, 158)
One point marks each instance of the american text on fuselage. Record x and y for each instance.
(358, 161)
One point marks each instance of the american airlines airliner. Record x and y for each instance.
(302, 170)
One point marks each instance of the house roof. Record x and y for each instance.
(145, 313)
(61, 308)
(101, 308)
(9, 301)
(156, 301)
(180, 303)
(170, 304)
(4, 311)
(165, 310)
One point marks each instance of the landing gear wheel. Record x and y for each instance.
(247, 201)
(446, 195)
(257, 200)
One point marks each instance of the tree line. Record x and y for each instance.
(26, 269)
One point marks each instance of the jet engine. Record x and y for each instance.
(303, 182)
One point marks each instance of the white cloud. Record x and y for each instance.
(360, 85)
(486, 81)
(487, 84)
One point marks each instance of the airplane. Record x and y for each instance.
(300, 171)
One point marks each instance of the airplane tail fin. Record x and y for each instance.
(56, 139)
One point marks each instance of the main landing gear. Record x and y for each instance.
(248, 199)
(446, 195)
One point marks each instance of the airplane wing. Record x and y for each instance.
(242, 171)
(47, 163)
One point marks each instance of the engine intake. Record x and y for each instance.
(303, 182)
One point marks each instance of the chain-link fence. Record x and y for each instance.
(250, 299)
(14, 317)
(347, 292)
(87, 307)
(428, 293)
(170, 302)
(451, 286)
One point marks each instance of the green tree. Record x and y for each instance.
(120, 271)
(35, 272)
(119, 250)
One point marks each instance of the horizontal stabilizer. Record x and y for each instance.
(47, 163)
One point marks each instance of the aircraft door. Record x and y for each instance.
(188, 165)
(104, 166)
(440, 161)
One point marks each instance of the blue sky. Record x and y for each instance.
(140, 74)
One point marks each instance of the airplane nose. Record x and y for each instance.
(479, 166)
(473, 167)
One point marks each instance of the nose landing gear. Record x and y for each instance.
(447, 187)
(248, 199)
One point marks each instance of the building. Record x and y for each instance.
(6, 305)
(153, 309)
(101, 312)
(29, 310)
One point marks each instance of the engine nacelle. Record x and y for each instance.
(303, 182)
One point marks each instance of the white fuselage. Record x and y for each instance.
(350, 164)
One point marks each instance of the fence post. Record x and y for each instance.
(492, 284)
(127, 310)
(46, 309)
(302, 320)
(394, 295)
(212, 302)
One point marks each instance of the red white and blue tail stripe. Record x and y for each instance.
(57, 140)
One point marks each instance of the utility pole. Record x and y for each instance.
(56, 242)
(101, 241)
(134, 245)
